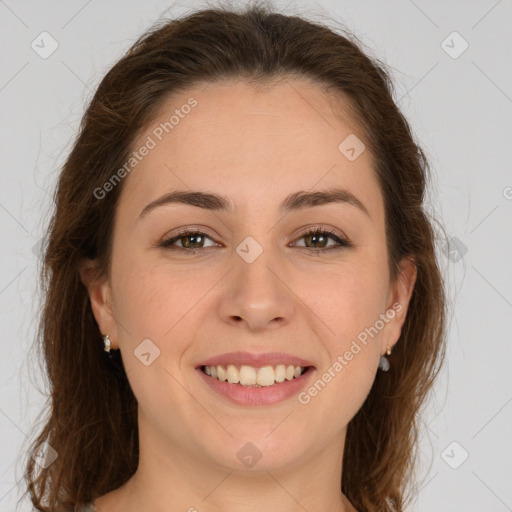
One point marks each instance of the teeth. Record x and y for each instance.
(248, 376)
(280, 372)
(233, 374)
(254, 377)
(221, 373)
(266, 376)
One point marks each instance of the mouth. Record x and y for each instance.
(254, 377)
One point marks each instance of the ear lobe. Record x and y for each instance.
(400, 296)
(100, 295)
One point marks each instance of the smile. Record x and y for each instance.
(250, 376)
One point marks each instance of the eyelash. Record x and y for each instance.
(343, 243)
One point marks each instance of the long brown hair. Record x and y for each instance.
(92, 419)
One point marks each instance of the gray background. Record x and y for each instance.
(459, 109)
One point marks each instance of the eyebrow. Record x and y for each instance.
(296, 201)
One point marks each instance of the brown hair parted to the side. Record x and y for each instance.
(92, 422)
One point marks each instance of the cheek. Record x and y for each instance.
(351, 301)
(354, 305)
(339, 391)
(159, 302)
(350, 310)
(146, 299)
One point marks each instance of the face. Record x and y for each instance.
(250, 278)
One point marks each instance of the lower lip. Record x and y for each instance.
(266, 395)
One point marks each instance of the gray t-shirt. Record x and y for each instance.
(88, 507)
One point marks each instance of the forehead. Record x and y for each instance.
(253, 143)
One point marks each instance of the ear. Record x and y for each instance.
(398, 301)
(100, 295)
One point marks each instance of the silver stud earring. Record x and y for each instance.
(107, 344)
(384, 362)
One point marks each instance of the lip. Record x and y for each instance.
(255, 360)
(252, 396)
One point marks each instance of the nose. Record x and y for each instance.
(256, 294)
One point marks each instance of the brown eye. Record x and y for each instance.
(320, 239)
(191, 241)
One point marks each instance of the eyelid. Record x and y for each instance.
(321, 229)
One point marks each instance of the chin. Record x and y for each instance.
(258, 449)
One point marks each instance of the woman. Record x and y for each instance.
(243, 305)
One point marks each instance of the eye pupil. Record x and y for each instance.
(315, 238)
(193, 243)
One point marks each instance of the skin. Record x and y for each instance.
(255, 146)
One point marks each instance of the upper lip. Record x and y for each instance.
(256, 360)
